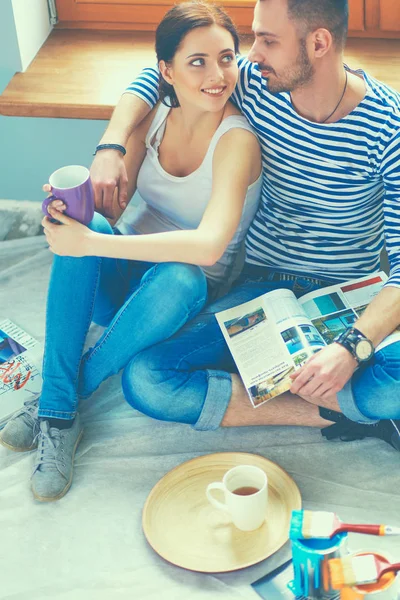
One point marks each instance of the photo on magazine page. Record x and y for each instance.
(269, 338)
(258, 350)
(335, 308)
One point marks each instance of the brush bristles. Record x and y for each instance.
(352, 570)
(336, 575)
(318, 524)
(307, 524)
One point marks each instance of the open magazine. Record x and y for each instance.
(20, 360)
(275, 334)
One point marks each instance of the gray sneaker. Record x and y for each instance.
(20, 433)
(52, 475)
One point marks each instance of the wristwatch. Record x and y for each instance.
(356, 343)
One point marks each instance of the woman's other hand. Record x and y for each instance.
(57, 204)
(67, 237)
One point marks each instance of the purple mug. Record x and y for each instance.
(72, 185)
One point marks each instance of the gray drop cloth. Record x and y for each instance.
(90, 544)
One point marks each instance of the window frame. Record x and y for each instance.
(144, 15)
(136, 15)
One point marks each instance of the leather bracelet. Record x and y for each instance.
(110, 147)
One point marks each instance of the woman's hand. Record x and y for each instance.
(71, 238)
(57, 204)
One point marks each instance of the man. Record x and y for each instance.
(331, 144)
(330, 138)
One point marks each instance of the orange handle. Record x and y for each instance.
(347, 593)
(371, 529)
(395, 568)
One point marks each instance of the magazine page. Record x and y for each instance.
(269, 338)
(335, 308)
(20, 360)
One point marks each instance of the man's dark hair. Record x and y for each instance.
(332, 15)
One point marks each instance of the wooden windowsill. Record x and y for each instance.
(80, 74)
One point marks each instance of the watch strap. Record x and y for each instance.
(349, 340)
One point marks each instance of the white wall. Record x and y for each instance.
(32, 24)
(10, 60)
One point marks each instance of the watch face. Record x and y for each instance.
(364, 350)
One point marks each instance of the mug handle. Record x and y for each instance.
(216, 486)
(46, 203)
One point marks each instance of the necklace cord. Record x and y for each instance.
(337, 105)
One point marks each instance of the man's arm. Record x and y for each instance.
(249, 78)
(108, 170)
(382, 316)
(328, 371)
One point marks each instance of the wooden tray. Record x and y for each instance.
(185, 529)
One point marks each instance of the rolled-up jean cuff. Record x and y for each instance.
(219, 390)
(349, 407)
(56, 414)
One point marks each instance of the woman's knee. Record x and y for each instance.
(141, 384)
(181, 280)
(100, 224)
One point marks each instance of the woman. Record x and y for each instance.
(196, 163)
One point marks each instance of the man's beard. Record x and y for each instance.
(295, 76)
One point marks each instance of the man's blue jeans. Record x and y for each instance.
(187, 378)
(140, 304)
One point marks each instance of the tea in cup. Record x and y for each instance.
(245, 489)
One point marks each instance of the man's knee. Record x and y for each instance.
(142, 385)
(377, 388)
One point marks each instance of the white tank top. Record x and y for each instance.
(170, 203)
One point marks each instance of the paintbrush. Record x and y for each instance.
(358, 570)
(319, 524)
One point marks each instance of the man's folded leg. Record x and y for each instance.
(188, 379)
(372, 398)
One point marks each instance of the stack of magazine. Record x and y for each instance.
(273, 335)
(20, 364)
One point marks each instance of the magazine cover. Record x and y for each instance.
(20, 363)
(276, 585)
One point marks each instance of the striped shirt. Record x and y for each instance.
(331, 192)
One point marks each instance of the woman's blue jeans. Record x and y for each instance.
(188, 377)
(140, 304)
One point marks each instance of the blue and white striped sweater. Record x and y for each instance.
(330, 191)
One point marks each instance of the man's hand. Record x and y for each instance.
(69, 239)
(108, 172)
(324, 374)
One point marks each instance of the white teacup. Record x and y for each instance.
(246, 496)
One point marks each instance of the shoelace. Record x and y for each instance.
(28, 413)
(48, 443)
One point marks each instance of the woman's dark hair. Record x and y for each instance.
(176, 24)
